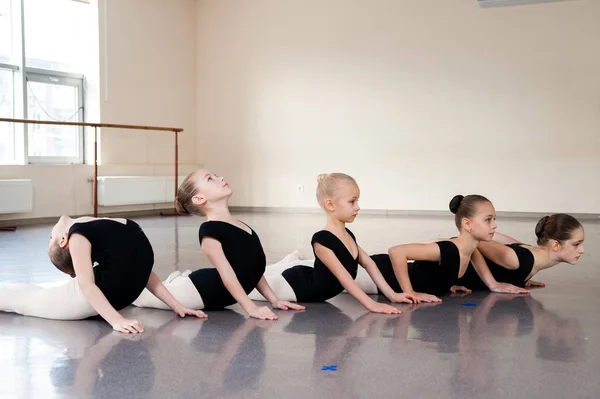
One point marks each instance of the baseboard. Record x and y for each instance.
(384, 213)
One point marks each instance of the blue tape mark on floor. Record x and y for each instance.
(329, 368)
(469, 304)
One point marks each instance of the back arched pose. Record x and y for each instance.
(231, 246)
(559, 239)
(438, 266)
(337, 255)
(124, 260)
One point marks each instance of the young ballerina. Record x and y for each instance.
(124, 260)
(337, 255)
(559, 237)
(230, 245)
(438, 266)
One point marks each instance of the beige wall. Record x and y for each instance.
(150, 72)
(146, 77)
(57, 190)
(418, 99)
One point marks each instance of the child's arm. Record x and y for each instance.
(333, 264)
(504, 239)
(485, 274)
(157, 288)
(371, 267)
(400, 254)
(214, 251)
(500, 254)
(81, 251)
(498, 237)
(265, 289)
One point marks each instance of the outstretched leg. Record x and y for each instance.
(278, 284)
(63, 301)
(180, 286)
(282, 289)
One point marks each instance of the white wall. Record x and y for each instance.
(417, 99)
(146, 77)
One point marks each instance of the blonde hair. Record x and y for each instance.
(329, 183)
(185, 193)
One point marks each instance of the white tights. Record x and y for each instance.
(63, 301)
(284, 291)
(180, 286)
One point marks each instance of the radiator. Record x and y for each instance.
(136, 190)
(16, 196)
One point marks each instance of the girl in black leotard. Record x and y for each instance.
(559, 237)
(230, 245)
(337, 255)
(124, 260)
(439, 265)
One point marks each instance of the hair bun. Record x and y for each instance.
(539, 227)
(322, 176)
(455, 203)
(180, 208)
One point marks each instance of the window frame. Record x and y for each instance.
(64, 79)
(12, 69)
(22, 74)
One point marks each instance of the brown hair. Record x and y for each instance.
(185, 193)
(559, 227)
(465, 207)
(61, 258)
(328, 183)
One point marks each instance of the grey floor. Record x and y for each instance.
(476, 346)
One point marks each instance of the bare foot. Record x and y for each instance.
(186, 273)
(294, 256)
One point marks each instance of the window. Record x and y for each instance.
(51, 98)
(5, 30)
(7, 136)
(40, 78)
(55, 30)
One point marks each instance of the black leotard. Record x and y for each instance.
(124, 256)
(318, 284)
(516, 277)
(244, 253)
(425, 276)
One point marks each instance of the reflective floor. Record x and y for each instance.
(478, 346)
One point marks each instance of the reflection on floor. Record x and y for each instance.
(479, 345)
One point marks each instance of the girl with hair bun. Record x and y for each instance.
(337, 255)
(231, 246)
(438, 266)
(559, 239)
